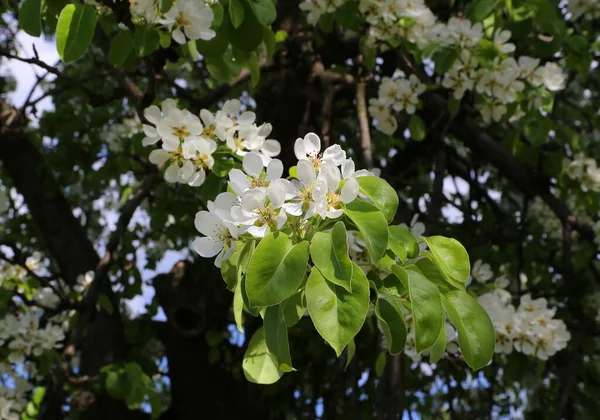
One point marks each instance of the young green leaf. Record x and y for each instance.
(146, 40)
(236, 11)
(258, 365)
(329, 252)
(389, 313)
(120, 48)
(439, 347)
(238, 307)
(30, 17)
(350, 350)
(402, 243)
(381, 193)
(476, 334)
(264, 10)
(416, 126)
(372, 225)
(337, 314)
(450, 256)
(426, 309)
(276, 337)
(248, 35)
(276, 270)
(74, 31)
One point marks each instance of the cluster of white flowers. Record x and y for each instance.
(189, 141)
(24, 337)
(585, 171)
(187, 19)
(262, 201)
(588, 9)
(530, 329)
(502, 82)
(15, 386)
(395, 95)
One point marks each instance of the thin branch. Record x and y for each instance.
(363, 120)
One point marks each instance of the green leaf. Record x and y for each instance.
(276, 270)
(254, 67)
(450, 256)
(238, 307)
(478, 10)
(329, 253)
(264, 10)
(476, 335)
(372, 224)
(380, 364)
(30, 17)
(120, 48)
(258, 365)
(223, 165)
(337, 314)
(38, 395)
(74, 31)
(146, 40)
(348, 15)
(294, 308)
(270, 42)
(444, 58)
(165, 5)
(248, 35)
(439, 347)
(218, 12)
(105, 303)
(453, 106)
(427, 311)
(214, 47)
(389, 313)
(350, 350)
(276, 337)
(434, 275)
(402, 243)
(416, 126)
(381, 193)
(236, 12)
(116, 385)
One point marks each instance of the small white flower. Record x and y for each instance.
(501, 38)
(192, 18)
(261, 209)
(218, 230)
(328, 195)
(553, 77)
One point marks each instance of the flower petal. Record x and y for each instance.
(349, 190)
(271, 148)
(153, 114)
(305, 172)
(299, 149)
(253, 164)
(348, 168)
(159, 156)
(207, 223)
(312, 144)
(208, 246)
(274, 169)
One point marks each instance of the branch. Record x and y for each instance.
(363, 120)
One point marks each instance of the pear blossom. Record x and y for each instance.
(302, 200)
(189, 19)
(552, 76)
(143, 8)
(501, 38)
(328, 194)
(261, 209)
(309, 148)
(218, 230)
(154, 115)
(254, 177)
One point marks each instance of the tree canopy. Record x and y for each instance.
(313, 209)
